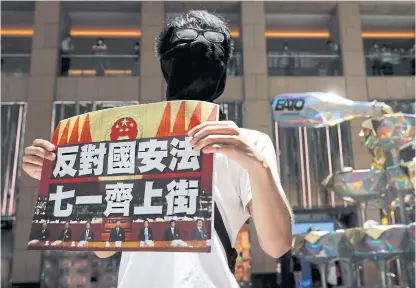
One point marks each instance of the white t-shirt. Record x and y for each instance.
(232, 193)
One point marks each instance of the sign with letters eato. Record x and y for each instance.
(127, 179)
(289, 105)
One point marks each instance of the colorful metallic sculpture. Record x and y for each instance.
(388, 184)
(386, 133)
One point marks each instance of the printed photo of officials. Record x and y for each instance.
(42, 234)
(123, 230)
(199, 233)
(146, 233)
(87, 234)
(117, 233)
(172, 233)
(66, 234)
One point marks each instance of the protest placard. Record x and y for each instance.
(127, 179)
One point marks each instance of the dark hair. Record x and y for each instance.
(198, 19)
(197, 220)
(146, 221)
(329, 42)
(100, 38)
(172, 221)
(285, 44)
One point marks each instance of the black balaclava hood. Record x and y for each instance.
(194, 70)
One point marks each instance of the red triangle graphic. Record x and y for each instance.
(64, 137)
(213, 115)
(55, 136)
(86, 133)
(196, 117)
(164, 126)
(179, 127)
(73, 139)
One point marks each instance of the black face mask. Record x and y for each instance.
(194, 70)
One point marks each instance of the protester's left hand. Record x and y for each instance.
(225, 137)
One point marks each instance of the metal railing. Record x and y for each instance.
(303, 64)
(99, 65)
(15, 65)
(393, 65)
(235, 65)
(279, 64)
(120, 65)
(12, 130)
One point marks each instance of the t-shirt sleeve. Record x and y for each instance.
(269, 154)
(124, 261)
(265, 146)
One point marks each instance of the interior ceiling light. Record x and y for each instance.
(235, 33)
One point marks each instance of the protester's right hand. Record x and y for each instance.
(34, 156)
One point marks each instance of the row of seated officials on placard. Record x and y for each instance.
(118, 233)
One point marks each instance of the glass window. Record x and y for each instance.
(104, 41)
(299, 43)
(389, 57)
(307, 156)
(388, 33)
(405, 106)
(16, 37)
(12, 128)
(234, 112)
(235, 65)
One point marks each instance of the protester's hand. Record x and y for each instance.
(34, 156)
(225, 137)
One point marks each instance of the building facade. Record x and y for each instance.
(37, 92)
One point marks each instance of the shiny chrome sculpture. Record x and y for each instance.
(351, 246)
(388, 183)
(384, 137)
(386, 134)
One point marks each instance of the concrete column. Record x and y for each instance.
(151, 78)
(41, 92)
(345, 28)
(257, 107)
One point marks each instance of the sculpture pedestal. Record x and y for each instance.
(362, 212)
(322, 271)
